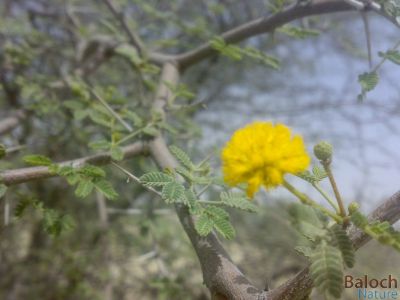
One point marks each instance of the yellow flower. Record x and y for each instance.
(261, 153)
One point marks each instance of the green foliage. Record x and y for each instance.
(173, 192)
(105, 187)
(236, 53)
(182, 157)
(368, 82)
(156, 179)
(392, 55)
(383, 232)
(327, 269)
(317, 175)
(204, 225)
(308, 222)
(53, 222)
(298, 32)
(237, 200)
(179, 91)
(341, 240)
(37, 160)
(87, 178)
(84, 188)
(327, 247)
(214, 217)
(180, 189)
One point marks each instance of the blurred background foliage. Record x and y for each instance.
(134, 248)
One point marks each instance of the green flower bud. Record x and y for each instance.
(353, 207)
(323, 151)
(2, 151)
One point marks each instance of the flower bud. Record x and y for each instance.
(353, 207)
(323, 151)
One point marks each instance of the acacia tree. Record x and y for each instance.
(73, 86)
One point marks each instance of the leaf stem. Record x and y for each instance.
(306, 200)
(211, 202)
(326, 196)
(130, 175)
(112, 111)
(129, 136)
(339, 200)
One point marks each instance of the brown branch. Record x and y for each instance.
(11, 177)
(220, 274)
(11, 122)
(133, 37)
(299, 286)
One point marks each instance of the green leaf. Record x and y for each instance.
(84, 188)
(310, 230)
(3, 189)
(224, 227)
(173, 192)
(134, 117)
(307, 221)
(150, 131)
(100, 145)
(182, 157)
(101, 118)
(191, 200)
(37, 160)
(268, 60)
(307, 176)
(216, 212)
(73, 105)
(368, 82)
(359, 220)
(304, 250)
(54, 223)
(129, 52)
(204, 225)
(66, 170)
(156, 179)
(383, 232)
(117, 153)
(298, 32)
(319, 173)
(105, 187)
(392, 55)
(327, 269)
(231, 51)
(21, 206)
(92, 171)
(237, 200)
(341, 241)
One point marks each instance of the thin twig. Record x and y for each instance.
(367, 37)
(130, 175)
(133, 37)
(111, 110)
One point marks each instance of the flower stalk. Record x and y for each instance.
(306, 200)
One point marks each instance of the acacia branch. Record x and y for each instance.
(12, 177)
(220, 274)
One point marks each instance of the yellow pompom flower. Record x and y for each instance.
(260, 154)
